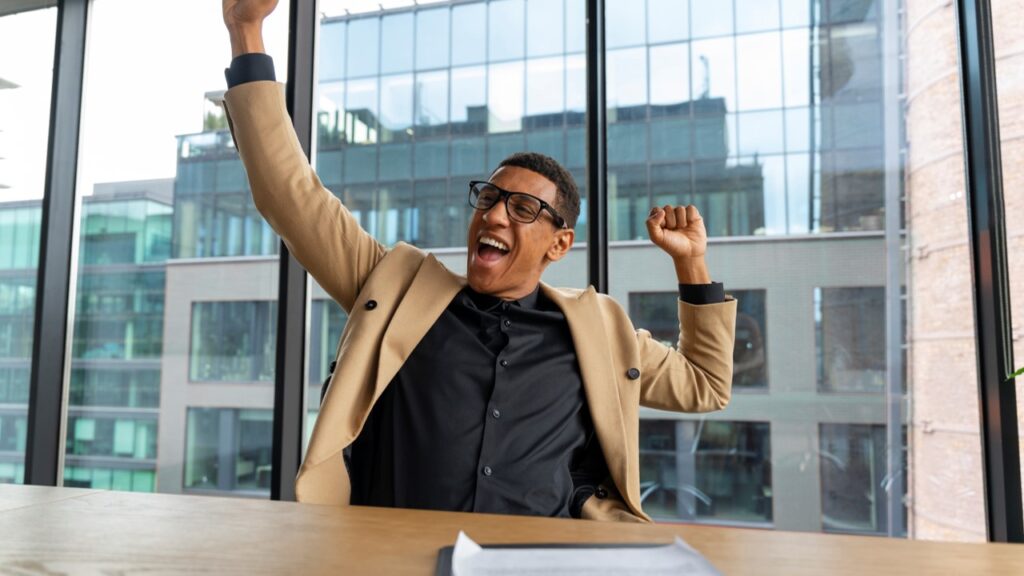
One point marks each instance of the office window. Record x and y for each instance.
(706, 470)
(25, 87)
(779, 139)
(853, 478)
(99, 478)
(169, 240)
(111, 437)
(232, 341)
(228, 451)
(850, 327)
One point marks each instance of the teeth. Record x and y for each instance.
(492, 242)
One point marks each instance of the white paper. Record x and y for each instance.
(470, 559)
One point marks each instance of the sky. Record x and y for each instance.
(144, 85)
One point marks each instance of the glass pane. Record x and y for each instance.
(25, 85)
(668, 20)
(432, 38)
(177, 274)
(545, 27)
(469, 33)
(711, 18)
(400, 149)
(1010, 90)
(363, 46)
(712, 471)
(775, 121)
(506, 30)
(396, 43)
(625, 23)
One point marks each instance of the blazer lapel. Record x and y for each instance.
(428, 295)
(596, 369)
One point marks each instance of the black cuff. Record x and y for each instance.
(251, 67)
(579, 496)
(713, 293)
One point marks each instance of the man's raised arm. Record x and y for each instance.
(318, 230)
(696, 376)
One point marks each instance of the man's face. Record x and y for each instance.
(514, 273)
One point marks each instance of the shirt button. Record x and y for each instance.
(496, 413)
(504, 363)
(632, 374)
(508, 323)
(487, 471)
(371, 304)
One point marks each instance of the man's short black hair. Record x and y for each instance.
(568, 203)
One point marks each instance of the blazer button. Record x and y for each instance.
(601, 493)
(370, 304)
(632, 373)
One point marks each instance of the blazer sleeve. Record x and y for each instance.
(696, 376)
(317, 229)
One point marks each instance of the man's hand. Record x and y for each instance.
(680, 232)
(244, 20)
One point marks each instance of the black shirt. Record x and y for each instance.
(488, 413)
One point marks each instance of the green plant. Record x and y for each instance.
(1019, 372)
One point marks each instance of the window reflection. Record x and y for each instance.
(469, 100)
(670, 80)
(228, 450)
(668, 20)
(432, 38)
(363, 47)
(505, 30)
(851, 338)
(505, 97)
(396, 108)
(711, 18)
(625, 23)
(853, 464)
(545, 27)
(469, 33)
(232, 341)
(706, 470)
(756, 15)
(396, 43)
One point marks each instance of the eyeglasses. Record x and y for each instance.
(521, 207)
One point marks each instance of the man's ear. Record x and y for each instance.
(561, 244)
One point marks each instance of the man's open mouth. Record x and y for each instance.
(490, 249)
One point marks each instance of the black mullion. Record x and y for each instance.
(56, 250)
(983, 167)
(597, 150)
(289, 373)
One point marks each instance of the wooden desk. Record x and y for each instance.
(74, 531)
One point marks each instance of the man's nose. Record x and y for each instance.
(497, 214)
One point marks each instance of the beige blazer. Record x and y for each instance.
(410, 289)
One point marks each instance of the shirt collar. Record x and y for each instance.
(487, 302)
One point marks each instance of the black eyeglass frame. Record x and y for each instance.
(505, 195)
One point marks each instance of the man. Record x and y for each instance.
(491, 392)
